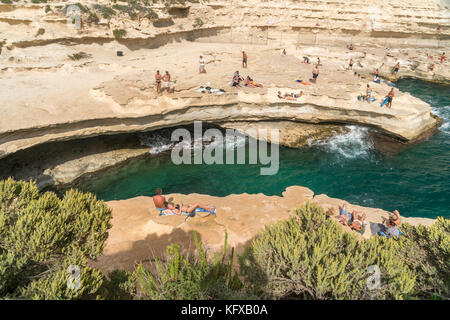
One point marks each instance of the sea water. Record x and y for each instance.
(416, 181)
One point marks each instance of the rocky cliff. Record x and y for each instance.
(61, 78)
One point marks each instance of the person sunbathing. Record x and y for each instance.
(390, 229)
(394, 219)
(160, 203)
(391, 226)
(344, 215)
(289, 96)
(190, 208)
(252, 84)
(358, 224)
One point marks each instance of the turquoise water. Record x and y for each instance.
(415, 181)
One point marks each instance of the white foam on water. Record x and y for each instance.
(160, 142)
(444, 114)
(351, 145)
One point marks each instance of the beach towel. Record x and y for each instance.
(385, 101)
(168, 212)
(306, 83)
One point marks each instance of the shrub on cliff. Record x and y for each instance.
(190, 276)
(197, 23)
(426, 250)
(312, 257)
(119, 33)
(45, 242)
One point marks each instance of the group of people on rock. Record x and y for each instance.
(388, 99)
(159, 79)
(248, 81)
(357, 221)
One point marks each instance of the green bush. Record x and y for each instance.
(152, 14)
(6, 1)
(40, 32)
(93, 18)
(312, 257)
(426, 250)
(79, 55)
(119, 33)
(190, 276)
(105, 11)
(198, 23)
(136, 9)
(41, 236)
(83, 9)
(119, 285)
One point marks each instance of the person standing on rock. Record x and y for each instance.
(350, 64)
(202, 65)
(166, 80)
(390, 97)
(396, 68)
(244, 59)
(368, 93)
(158, 79)
(315, 73)
(443, 57)
(376, 75)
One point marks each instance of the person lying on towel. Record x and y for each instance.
(160, 202)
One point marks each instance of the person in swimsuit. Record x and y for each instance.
(244, 59)
(344, 215)
(202, 65)
(289, 96)
(390, 97)
(394, 219)
(443, 57)
(166, 80)
(396, 68)
(306, 60)
(315, 73)
(391, 226)
(158, 79)
(368, 93)
(318, 61)
(358, 224)
(160, 202)
(350, 64)
(236, 80)
(252, 84)
(376, 75)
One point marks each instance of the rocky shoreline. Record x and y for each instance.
(143, 235)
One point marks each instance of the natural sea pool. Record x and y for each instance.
(416, 181)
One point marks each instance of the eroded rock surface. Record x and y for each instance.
(138, 234)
